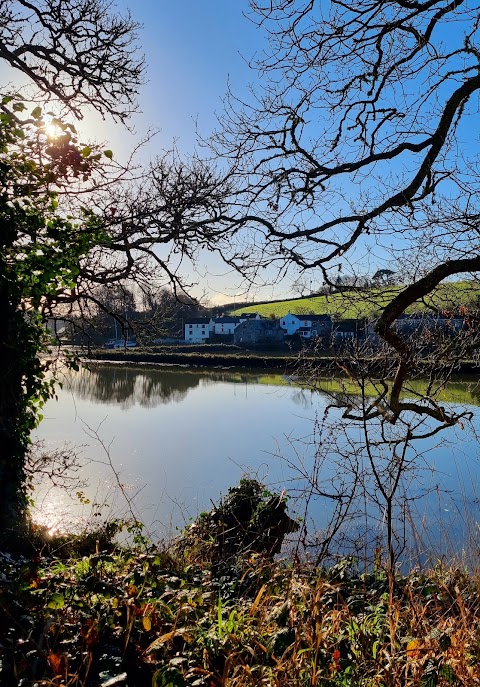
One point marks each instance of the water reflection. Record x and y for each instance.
(151, 386)
(148, 386)
(127, 386)
(179, 436)
(212, 426)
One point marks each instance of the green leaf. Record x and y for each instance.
(167, 677)
(446, 671)
(108, 153)
(86, 151)
(56, 601)
(37, 112)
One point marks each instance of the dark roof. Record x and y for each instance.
(197, 320)
(226, 319)
(259, 324)
(311, 317)
(248, 315)
(349, 325)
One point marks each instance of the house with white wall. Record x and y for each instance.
(225, 325)
(198, 329)
(308, 326)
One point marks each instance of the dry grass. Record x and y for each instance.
(141, 618)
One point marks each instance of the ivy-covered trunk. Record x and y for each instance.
(40, 251)
(17, 362)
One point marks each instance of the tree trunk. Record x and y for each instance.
(15, 419)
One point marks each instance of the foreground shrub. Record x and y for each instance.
(250, 519)
(135, 617)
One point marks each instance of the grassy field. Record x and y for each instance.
(369, 302)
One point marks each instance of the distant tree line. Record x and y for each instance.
(121, 311)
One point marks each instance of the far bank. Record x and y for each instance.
(231, 356)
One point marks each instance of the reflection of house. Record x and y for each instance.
(258, 333)
(307, 326)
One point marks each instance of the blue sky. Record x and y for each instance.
(193, 50)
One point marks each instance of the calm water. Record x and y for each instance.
(176, 439)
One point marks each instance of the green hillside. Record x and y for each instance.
(368, 302)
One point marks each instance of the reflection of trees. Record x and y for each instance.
(458, 390)
(303, 398)
(144, 386)
(147, 387)
(152, 386)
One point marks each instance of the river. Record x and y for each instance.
(166, 443)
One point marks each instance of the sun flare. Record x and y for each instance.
(52, 130)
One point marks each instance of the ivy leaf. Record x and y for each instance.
(56, 601)
(446, 671)
(167, 677)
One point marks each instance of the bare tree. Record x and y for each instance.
(156, 220)
(76, 52)
(356, 145)
(302, 286)
(358, 141)
(73, 219)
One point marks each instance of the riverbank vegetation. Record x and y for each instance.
(165, 617)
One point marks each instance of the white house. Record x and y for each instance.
(198, 329)
(225, 325)
(307, 326)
